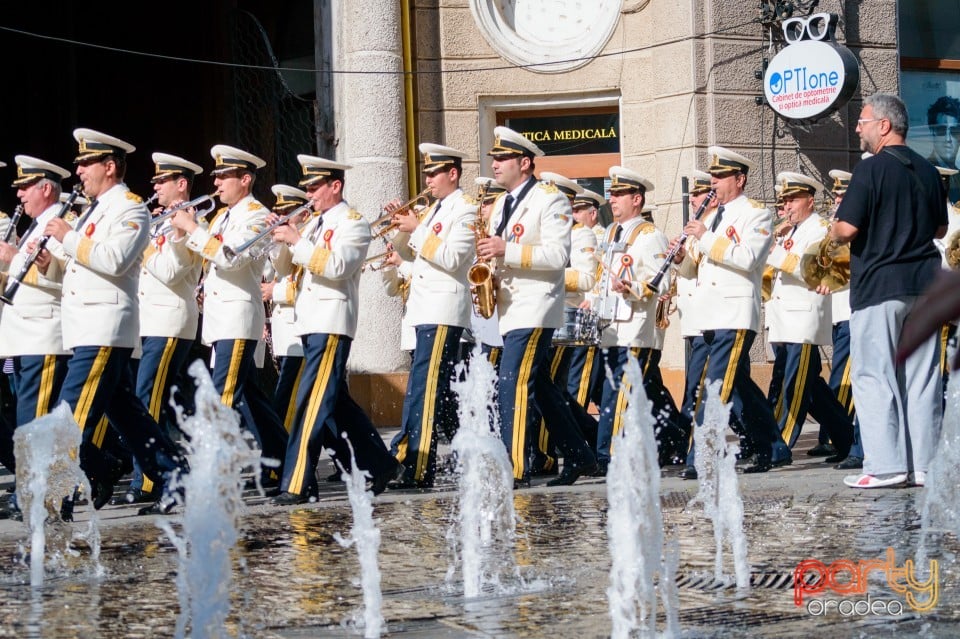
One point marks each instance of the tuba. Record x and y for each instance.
(483, 285)
(952, 250)
(826, 263)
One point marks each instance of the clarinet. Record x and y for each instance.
(654, 284)
(14, 286)
(17, 212)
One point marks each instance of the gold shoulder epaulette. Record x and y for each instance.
(470, 200)
(134, 197)
(254, 206)
(648, 227)
(756, 204)
(353, 215)
(549, 187)
(578, 225)
(2, 214)
(221, 210)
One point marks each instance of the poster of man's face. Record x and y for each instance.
(933, 105)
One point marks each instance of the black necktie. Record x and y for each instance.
(716, 219)
(505, 214)
(617, 234)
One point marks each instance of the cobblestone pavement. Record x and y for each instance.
(292, 579)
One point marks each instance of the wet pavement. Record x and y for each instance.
(292, 579)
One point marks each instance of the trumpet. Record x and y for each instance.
(232, 252)
(372, 264)
(158, 221)
(422, 197)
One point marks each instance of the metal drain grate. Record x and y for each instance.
(761, 580)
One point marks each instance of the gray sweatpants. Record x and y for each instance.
(900, 408)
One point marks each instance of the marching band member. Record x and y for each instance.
(486, 330)
(101, 318)
(633, 252)
(330, 251)
(440, 244)
(531, 242)
(586, 369)
(799, 322)
(726, 254)
(168, 309)
(280, 292)
(233, 313)
(30, 330)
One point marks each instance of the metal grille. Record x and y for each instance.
(269, 119)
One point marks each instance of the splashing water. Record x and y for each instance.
(217, 451)
(486, 516)
(47, 471)
(940, 511)
(719, 490)
(634, 520)
(366, 535)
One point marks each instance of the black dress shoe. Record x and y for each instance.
(290, 499)
(759, 467)
(545, 472)
(521, 483)
(396, 474)
(850, 463)
(102, 492)
(601, 470)
(782, 462)
(822, 450)
(273, 492)
(134, 496)
(162, 506)
(571, 474)
(689, 472)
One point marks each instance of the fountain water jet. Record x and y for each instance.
(217, 452)
(635, 521)
(366, 535)
(486, 516)
(940, 509)
(47, 471)
(719, 490)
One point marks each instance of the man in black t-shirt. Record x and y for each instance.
(892, 211)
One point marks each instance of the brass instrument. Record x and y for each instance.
(231, 252)
(375, 262)
(666, 307)
(483, 284)
(384, 221)
(826, 263)
(952, 250)
(157, 222)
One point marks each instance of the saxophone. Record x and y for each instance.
(483, 284)
(666, 307)
(952, 250)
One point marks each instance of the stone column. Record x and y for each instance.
(370, 130)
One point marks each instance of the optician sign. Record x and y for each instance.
(813, 76)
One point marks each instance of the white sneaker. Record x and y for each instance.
(875, 481)
(918, 478)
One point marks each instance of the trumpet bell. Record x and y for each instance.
(826, 263)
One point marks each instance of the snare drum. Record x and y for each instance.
(587, 330)
(567, 334)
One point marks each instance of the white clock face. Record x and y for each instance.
(565, 33)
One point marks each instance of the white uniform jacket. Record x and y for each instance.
(531, 272)
(686, 289)
(795, 314)
(331, 250)
(581, 276)
(31, 326)
(232, 302)
(168, 288)
(442, 249)
(633, 316)
(102, 272)
(284, 341)
(729, 265)
(396, 283)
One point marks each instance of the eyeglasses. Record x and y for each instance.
(944, 130)
(862, 121)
